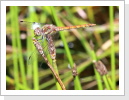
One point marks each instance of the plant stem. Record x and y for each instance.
(111, 13)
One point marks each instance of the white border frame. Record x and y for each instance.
(1, 97)
(62, 92)
(126, 1)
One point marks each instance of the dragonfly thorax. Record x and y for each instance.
(49, 29)
(46, 29)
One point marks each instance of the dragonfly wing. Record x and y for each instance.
(51, 46)
(32, 55)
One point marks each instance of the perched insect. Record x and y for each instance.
(48, 30)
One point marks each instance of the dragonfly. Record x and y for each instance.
(48, 30)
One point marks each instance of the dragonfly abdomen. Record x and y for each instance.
(74, 27)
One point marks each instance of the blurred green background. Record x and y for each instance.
(72, 47)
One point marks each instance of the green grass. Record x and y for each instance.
(17, 49)
(111, 13)
(33, 68)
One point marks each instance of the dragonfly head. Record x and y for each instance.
(37, 31)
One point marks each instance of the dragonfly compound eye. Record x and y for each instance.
(37, 31)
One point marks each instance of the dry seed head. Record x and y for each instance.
(100, 67)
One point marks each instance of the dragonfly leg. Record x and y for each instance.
(42, 38)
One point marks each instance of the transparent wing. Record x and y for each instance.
(55, 36)
(30, 58)
(44, 45)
